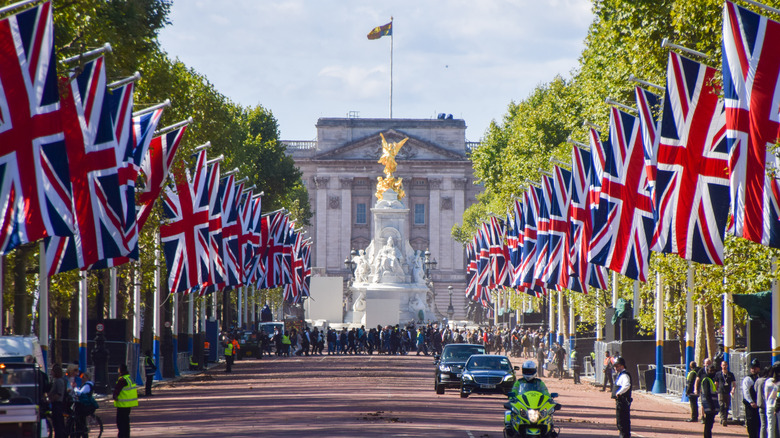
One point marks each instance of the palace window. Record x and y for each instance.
(419, 214)
(360, 214)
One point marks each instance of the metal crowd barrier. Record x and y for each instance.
(183, 361)
(675, 379)
(739, 365)
(640, 371)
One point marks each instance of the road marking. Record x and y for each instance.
(471, 435)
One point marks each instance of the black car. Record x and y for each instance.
(449, 365)
(487, 374)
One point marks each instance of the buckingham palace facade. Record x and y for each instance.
(340, 171)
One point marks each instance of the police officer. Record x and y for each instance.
(690, 391)
(752, 420)
(709, 400)
(575, 366)
(622, 396)
(150, 368)
(125, 398)
(229, 356)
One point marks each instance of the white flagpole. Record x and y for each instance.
(156, 309)
(391, 66)
(43, 315)
(175, 333)
(112, 294)
(137, 321)
(190, 323)
(2, 285)
(83, 322)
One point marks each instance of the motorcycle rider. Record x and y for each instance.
(529, 382)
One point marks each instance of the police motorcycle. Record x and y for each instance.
(530, 409)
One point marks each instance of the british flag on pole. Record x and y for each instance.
(515, 228)
(185, 237)
(556, 270)
(531, 202)
(216, 247)
(751, 73)
(583, 273)
(692, 158)
(90, 139)
(648, 104)
(499, 257)
(623, 227)
(35, 197)
(155, 168)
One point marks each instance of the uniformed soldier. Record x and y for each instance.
(125, 398)
(622, 396)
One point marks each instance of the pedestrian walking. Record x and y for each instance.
(540, 355)
(770, 397)
(690, 391)
(229, 357)
(57, 398)
(608, 367)
(622, 396)
(726, 383)
(752, 421)
(760, 402)
(125, 398)
(709, 400)
(150, 368)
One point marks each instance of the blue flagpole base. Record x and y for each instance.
(82, 358)
(775, 358)
(560, 339)
(156, 353)
(659, 386)
(45, 354)
(175, 355)
(139, 380)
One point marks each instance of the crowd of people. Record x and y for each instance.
(714, 386)
(411, 339)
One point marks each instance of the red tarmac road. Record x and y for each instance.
(368, 396)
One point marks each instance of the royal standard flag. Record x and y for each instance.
(380, 31)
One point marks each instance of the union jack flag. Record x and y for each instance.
(692, 165)
(484, 271)
(293, 290)
(35, 192)
(557, 200)
(583, 274)
(306, 257)
(531, 204)
(624, 223)
(155, 167)
(255, 231)
(751, 70)
(216, 245)
(248, 240)
(185, 238)
(648, 107)
(471, 269)
(274, 232)
(90, 139)
(543, 230)
(499, 257)
(515, 228)
(231, 256)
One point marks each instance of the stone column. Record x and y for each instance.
(434, 221)
(321, 219)
(346, 216)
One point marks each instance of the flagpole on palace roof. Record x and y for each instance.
(391, 67)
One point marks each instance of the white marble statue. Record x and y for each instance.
(360, 302)
(418, 269)
(388, 261)
(363, 269)
(416, 304)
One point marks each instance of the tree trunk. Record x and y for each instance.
(699, 346)
(21, 300)
(709, 319)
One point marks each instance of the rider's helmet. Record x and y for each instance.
(529, 370)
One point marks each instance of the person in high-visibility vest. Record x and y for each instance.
(286, 344)
(206, 351)
(709, 400)
(125, 398)
(193, 363)
(236, 348)
(228, 357)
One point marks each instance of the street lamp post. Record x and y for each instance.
(450, 309)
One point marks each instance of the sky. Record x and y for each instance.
(306, 59)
